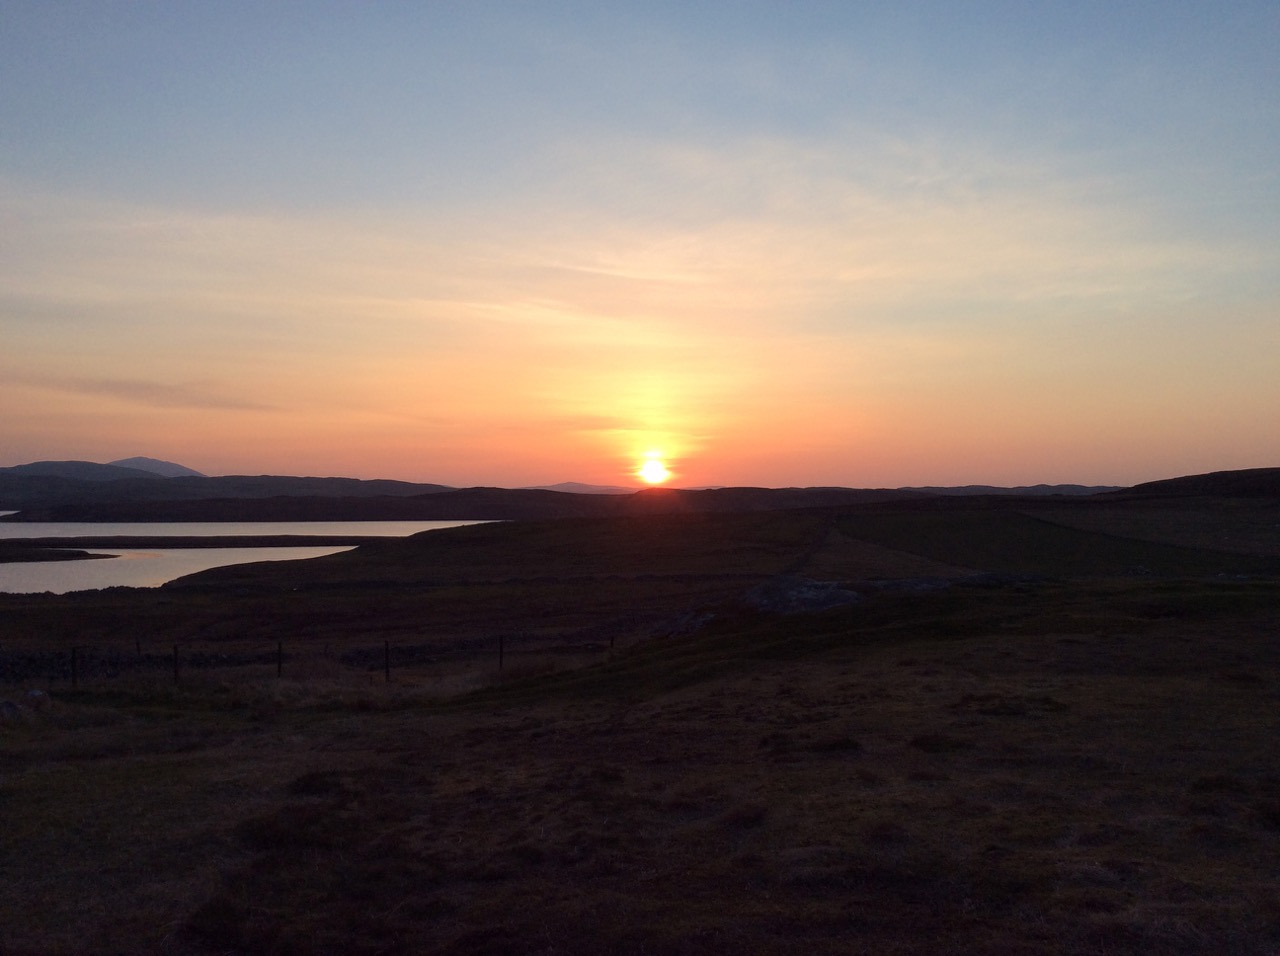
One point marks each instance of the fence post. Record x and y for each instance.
(279, 659)
(501, 650)
(175, 663)
(386, 660)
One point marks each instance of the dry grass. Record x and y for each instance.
(1244, 527)
(1081, 766)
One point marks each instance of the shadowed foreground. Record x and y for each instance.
(1026, 736)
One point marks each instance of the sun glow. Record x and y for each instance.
(653, 471)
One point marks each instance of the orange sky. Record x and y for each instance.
(794, 257)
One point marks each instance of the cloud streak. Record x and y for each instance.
(161, 395)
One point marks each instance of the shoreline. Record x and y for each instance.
(142, 542)
(40, 555)
(42, 550)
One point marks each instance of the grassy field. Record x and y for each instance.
(1034, 732)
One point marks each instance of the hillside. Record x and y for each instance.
(913, 726)
(1249, 483)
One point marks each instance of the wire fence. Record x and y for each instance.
(83, 666)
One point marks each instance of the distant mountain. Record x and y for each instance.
(165, 469)
(79, 471)
(112, 471)
(578, 488)
(1016, 490)
(25, 489)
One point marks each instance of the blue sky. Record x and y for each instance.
(804, 243)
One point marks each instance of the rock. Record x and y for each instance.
(792, 594)
(911, 585)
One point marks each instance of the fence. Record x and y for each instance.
(84, 665)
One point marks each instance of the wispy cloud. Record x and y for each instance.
(689, 295)
(191, 395)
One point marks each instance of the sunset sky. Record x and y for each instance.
(517, 243)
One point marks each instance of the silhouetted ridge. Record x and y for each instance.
(165, 469)
(78, 471)
(146, 497)
(1247, 483)
(1040, 490)
(26, 490)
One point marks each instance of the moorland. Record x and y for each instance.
(918, 724)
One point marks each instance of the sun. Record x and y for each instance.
(654, 471)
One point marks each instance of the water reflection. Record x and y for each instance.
(202, 529)
(138, 569)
